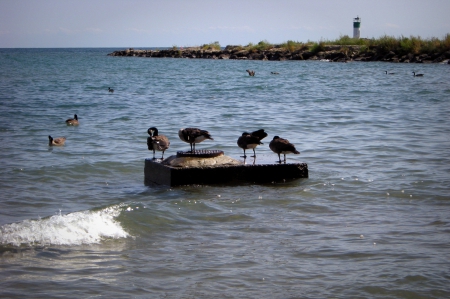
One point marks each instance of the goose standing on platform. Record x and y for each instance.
(417, 75)
(157, 142)
(56, 141)
(73, 121)
(193, 136)
(282, 146)
(251, 141)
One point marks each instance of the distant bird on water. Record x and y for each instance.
(72, 121)
(251, 140)
(56, 141)
(389, 73)
(110, 90)
(417, 75)
(193, 136)
(157, 142)
(282, 146)
(250, 72)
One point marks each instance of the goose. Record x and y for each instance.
(56, 141)
(282, 146)
(110, 89)
(193, 136)
(275, 73)
(251, 141)
(250, 72)
(417, 75)
(157, 142)
(389, 73)
(72, 121)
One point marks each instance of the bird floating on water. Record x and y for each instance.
(251, 140)
(389, 73)
(282, 146)
(56, 141)
(110, 89)
(157, 142)
(193, 136)
(251, 72)
(417, 75)
(72, 121)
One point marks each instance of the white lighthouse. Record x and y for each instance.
(356, 26)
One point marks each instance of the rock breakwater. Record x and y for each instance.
(328, 53)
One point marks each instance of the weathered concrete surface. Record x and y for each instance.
(187, 162)
(175, 171)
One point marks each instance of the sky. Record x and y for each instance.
(186, 23)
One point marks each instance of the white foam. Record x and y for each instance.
(86, 227)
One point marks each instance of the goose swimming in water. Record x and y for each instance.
(193, 136)
(56, 141)
(250, 72)
(251, 141)
(282, 146)
(389, 73)
(157, 142)
(417, 75)
(72, 121)
(110, 89)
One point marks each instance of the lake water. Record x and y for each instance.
(371, 221)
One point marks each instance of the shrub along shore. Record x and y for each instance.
(389, 49)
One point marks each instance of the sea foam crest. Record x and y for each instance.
(86, 227)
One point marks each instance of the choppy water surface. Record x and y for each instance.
(371, 221)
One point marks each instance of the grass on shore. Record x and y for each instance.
(401, 45)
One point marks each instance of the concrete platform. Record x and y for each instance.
(176, 171)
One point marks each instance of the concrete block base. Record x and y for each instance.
(162, 173)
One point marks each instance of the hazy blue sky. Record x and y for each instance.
(165, 23)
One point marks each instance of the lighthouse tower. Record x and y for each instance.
(356, 26)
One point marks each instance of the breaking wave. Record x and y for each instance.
(85, 227)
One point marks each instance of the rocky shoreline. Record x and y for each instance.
(329, 53)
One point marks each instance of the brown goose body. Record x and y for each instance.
(250, 72)
(56, 141)
(282, 146)
(251, 140)
(157, 142)
(193, 136)
(73, 121)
